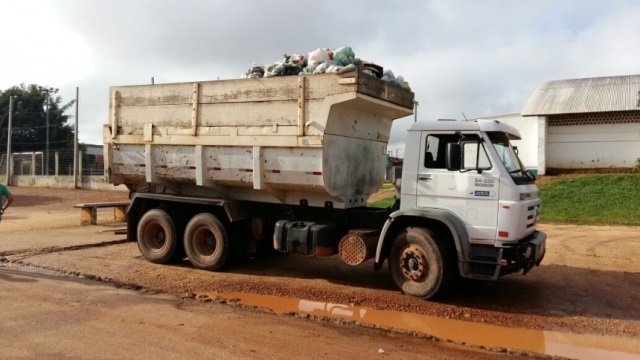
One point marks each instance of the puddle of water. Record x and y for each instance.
(580, 346)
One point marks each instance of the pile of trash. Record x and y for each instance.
(320, 61)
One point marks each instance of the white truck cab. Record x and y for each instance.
(465, 180)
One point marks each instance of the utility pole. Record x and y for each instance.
(11, 98)
(47, 91)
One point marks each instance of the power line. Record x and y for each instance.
(52, 142)
(33, 127)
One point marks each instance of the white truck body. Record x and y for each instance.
(292, 160)
(498, 205)
(321, 138)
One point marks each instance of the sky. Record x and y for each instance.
(462, 58)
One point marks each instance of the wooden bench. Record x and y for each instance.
(89, 211)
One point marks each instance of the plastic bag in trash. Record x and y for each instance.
(273, 69)
(256, 71)
(310, 68)
(322, 68)
(320, 55)
(388, 75)
(298, 60)
(344, 55)
(398, 81)
(350, 67)
(333, 68)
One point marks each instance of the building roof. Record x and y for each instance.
(601, 94)
(94, 149)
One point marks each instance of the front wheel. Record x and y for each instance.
(206, 242)
(421, 264)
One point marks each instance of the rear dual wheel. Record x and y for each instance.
(206, 242)
(157, 237)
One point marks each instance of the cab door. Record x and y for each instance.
(471, 195)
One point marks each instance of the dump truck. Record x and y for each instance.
(217, 168)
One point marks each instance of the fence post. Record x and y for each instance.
(80, 167)
(57, 163)
(8, 180)
(75, 142)
(33, 164)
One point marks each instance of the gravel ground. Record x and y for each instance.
(589, 281)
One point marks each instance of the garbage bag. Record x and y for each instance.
(344, 55)
(333, 68)
(397, 81)
(388, 75)
(298, 60)
(320, 55)
(256, 71)
(350, 67)
(322, 68)
(310, 68)
(274, 69)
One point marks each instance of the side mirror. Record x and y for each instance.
(453, 157)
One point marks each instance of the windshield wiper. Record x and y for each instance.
(526, 173)
(530, 175)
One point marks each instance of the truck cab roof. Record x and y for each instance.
(473, 125)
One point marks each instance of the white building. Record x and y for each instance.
(591, 123)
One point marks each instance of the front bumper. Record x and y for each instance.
(531, 251)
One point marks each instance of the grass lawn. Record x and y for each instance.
(596, 199)
(382, 203)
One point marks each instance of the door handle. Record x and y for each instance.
(425, 178)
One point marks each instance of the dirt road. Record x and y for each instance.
(71, 318)
(589, 281)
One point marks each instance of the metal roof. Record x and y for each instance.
(601, 94)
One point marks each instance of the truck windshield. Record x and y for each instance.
(509, 157)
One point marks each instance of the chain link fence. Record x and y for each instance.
(58, 162)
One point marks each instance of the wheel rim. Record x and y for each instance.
(155, 236)
(204, 242)
(414, 264)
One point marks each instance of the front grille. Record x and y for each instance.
(532, 216)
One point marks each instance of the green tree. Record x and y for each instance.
(29, 120)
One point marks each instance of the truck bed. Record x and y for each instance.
(319, 138)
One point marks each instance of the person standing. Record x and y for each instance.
(4, 204)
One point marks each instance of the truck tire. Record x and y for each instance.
(157, 237)
(206, 242)
(421, 264)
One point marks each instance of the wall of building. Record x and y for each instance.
(594, 146)
(65, 182)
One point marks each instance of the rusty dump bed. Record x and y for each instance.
(321, 138)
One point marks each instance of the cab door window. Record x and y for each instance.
(435, 150)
